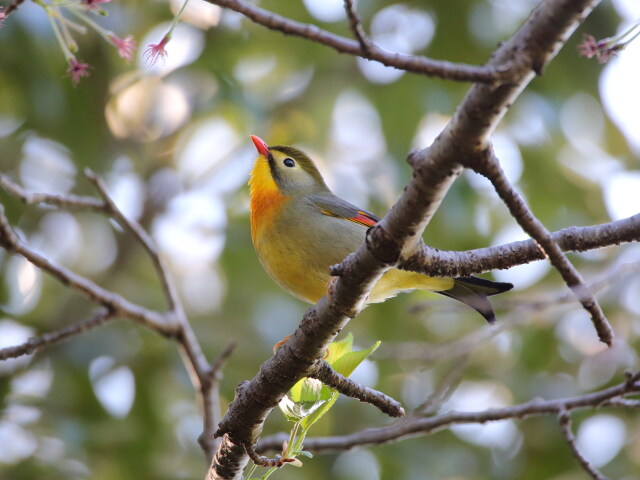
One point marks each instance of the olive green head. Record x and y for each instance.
(293, 171)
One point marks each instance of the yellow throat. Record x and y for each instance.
(266, 199)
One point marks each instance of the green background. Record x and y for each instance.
(76, 437)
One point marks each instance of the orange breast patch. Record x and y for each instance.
(266, 199)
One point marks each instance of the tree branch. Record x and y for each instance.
(488, 165)
(356, 26)
(399, 232)
(520, 312)
(210, 399)
(174, 323)
(66, 201)
(35, 344)
(442, 263)
(415, 424)
(323, 372)
(261, 461)
(12, 7)
(445, 388)
(565, 425)
(112, 301)
(409, 63)
(136, 230)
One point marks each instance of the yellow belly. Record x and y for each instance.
(297, 273)
(396, 281)
(307, 279)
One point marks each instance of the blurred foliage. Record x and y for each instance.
(172, 143)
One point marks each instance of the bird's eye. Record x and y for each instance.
(288, 162)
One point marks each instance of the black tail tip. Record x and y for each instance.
(474, 291)
(490, 317)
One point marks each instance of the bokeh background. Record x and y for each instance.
(172, 143)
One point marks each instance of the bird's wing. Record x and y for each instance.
(333, 206)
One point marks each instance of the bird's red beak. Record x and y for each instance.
(261, 146)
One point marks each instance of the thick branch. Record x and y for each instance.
(409, 63)
(399, 232)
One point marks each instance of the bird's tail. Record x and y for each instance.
(474, 291)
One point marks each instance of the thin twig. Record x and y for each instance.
(205, 382)
(204, 378)
(110, 300)
(67, 200)
(210, 398)
(565, 425)
(409, 63)
(520, 312)
(35, 344)
(489, 166)
(142, 236)
(13, 6)
(446, 387)
(278, 461)
(168, 286)
(323, 372)
(356, 27)
(218, 363)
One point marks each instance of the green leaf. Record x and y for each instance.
(306, 390)
(303, 399)
(318, 413)
(338, 349)
(347, 363)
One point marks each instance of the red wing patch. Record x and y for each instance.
(362, 218)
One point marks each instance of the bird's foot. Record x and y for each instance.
(331, 285)
(279, 344)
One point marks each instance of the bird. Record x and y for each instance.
(300, 228)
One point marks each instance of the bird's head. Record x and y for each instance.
(286, 169)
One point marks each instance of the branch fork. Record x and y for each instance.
(172, 323)
(540, 38)
(488, 165)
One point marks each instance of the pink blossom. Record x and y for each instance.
(606, 52)
(603, 50)
(93, 4)
(2, 17)
(77, 70)
(125, 46)
(589, 47)
(156, 51)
